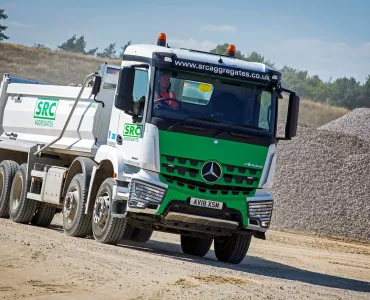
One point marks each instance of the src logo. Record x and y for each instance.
(46, 108)
(211, 172)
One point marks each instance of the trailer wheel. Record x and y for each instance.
(195, 246)
(8, 169)
(106, 228)
(141, 235)
(75, 222)
(21, 209)
(232, 249)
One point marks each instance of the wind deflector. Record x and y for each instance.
(171, 61)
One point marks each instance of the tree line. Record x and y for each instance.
(345, 92)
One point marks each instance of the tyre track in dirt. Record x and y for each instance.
(43, 263)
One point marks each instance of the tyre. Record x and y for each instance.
(106, 229)
(129, 229)
(44, 215)
(141, 235)
(232, 249)
(21, 209)
(8, 169)
(75, 222)
(195, 246)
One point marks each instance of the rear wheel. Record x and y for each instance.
(232, 249)
(44, 215)
(141, 235)
(8, 169)
(45, 212)
(21, 209)
(195, 246)
(106, 228)
(75, 222)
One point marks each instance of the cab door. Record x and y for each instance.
(129, 138)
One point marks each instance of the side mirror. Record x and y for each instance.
(124, 98)
(292, 118)
(96, 86)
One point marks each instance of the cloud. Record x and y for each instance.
(192, 44)
(17, 24)
(219, 28)
(324, 58)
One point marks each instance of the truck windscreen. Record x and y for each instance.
(180, 96)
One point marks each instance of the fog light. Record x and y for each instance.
(143, 193)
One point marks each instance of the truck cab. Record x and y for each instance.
(200, 129)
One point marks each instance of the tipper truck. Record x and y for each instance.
(174, 140)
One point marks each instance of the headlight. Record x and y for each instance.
(260, 211)
(143, 193)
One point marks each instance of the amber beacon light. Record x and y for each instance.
(231, 50)
(161, 39)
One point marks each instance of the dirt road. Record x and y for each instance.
(38, 263)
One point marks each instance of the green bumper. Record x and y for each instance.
(176, 193)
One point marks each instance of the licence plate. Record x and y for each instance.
(206, 203)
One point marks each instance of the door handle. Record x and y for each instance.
(119, 139)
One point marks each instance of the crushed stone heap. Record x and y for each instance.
(322, 181)
(356, 122)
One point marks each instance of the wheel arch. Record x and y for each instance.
(82, 165)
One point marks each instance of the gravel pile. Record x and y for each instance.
(356, 123)
(322, 182)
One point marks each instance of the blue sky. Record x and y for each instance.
(329, 38)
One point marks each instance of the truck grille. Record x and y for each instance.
(218, 190)
(190, 169)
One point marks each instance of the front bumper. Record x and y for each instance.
(252, 213)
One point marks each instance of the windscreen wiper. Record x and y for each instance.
(247, 126)
(238, 125)
(209, 120)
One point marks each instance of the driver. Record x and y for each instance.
(163, 90)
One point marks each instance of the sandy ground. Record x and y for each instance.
(39, 263)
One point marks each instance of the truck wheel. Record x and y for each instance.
(106, 229)
(232, 249)
(7, 172)
(75, 222)
(21, 209)
(195, 246)
(141, 235)
(44, 215)
(129, 230)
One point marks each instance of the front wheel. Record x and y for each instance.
(75, 222)
(195, 246)
(232, 249)
(106, 228)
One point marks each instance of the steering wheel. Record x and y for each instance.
(163, 103)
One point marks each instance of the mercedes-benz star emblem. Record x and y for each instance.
(211, 172)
